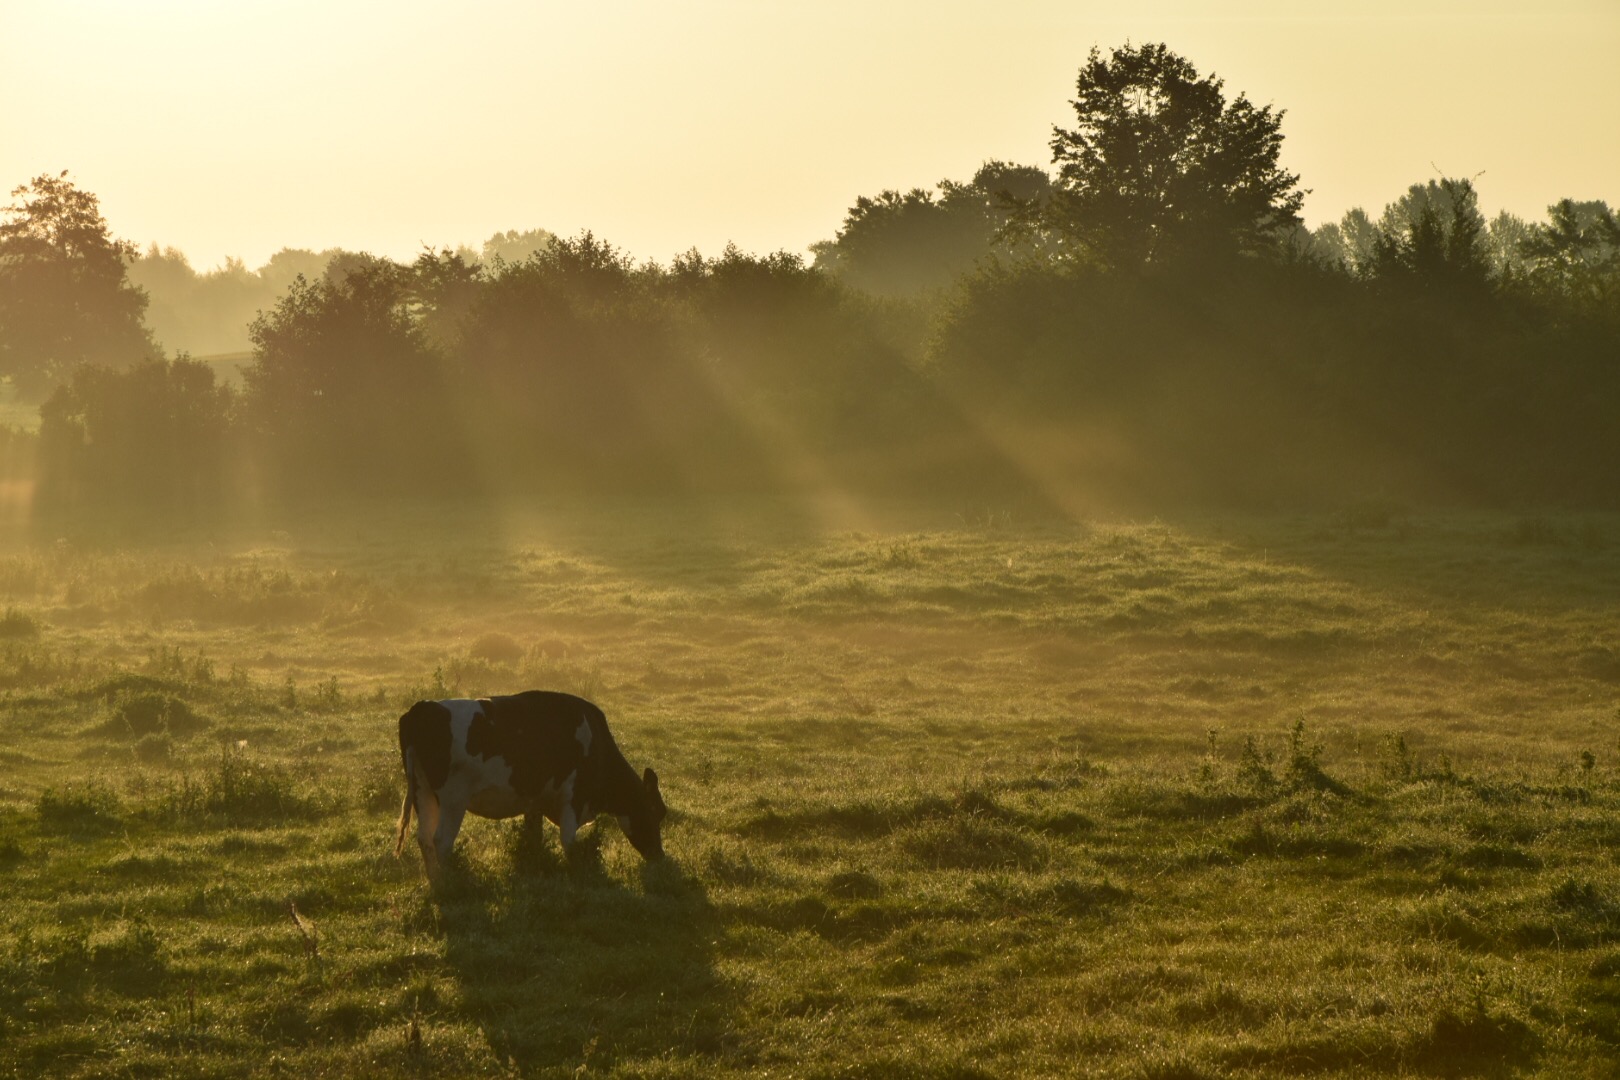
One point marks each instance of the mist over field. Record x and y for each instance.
(1085, 622)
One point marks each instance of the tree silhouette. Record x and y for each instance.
(1160, 166)
(1575, 257)
(897, 244)
(65, 297)
(1434, 237)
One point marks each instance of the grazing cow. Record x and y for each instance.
(537, 752)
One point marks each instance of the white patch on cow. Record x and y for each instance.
(462, 711)
(583, 734)
(476, 783)
(555, 797)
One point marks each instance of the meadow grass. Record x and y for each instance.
(960, 796)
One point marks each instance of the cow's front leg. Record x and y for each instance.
(568, 825)
(534, 824)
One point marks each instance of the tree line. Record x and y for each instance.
(1147, 318)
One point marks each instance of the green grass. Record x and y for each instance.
(1333, 795)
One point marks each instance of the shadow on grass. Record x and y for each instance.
(565, 964)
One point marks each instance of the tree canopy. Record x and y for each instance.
(65, 297)
(1161, 166)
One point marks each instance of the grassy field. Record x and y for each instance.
(963, 796)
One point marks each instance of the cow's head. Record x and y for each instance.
(642, 825)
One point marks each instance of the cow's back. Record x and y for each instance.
(544, 736)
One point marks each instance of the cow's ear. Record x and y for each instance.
(650, 780)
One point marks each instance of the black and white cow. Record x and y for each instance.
(534, 753)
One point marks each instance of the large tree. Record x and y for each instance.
(1160, 166)
(65, 296)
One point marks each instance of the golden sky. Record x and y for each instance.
(238, 127)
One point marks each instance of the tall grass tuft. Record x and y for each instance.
(73, 808)
(239, 790)
(1304, 765)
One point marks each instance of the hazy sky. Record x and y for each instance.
(238, 127)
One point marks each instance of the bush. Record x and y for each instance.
(155, 713)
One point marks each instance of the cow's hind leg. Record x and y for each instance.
(427, 827)
(449, 826)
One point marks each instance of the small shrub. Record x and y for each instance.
(153, 713)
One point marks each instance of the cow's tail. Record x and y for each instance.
(410, 802)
